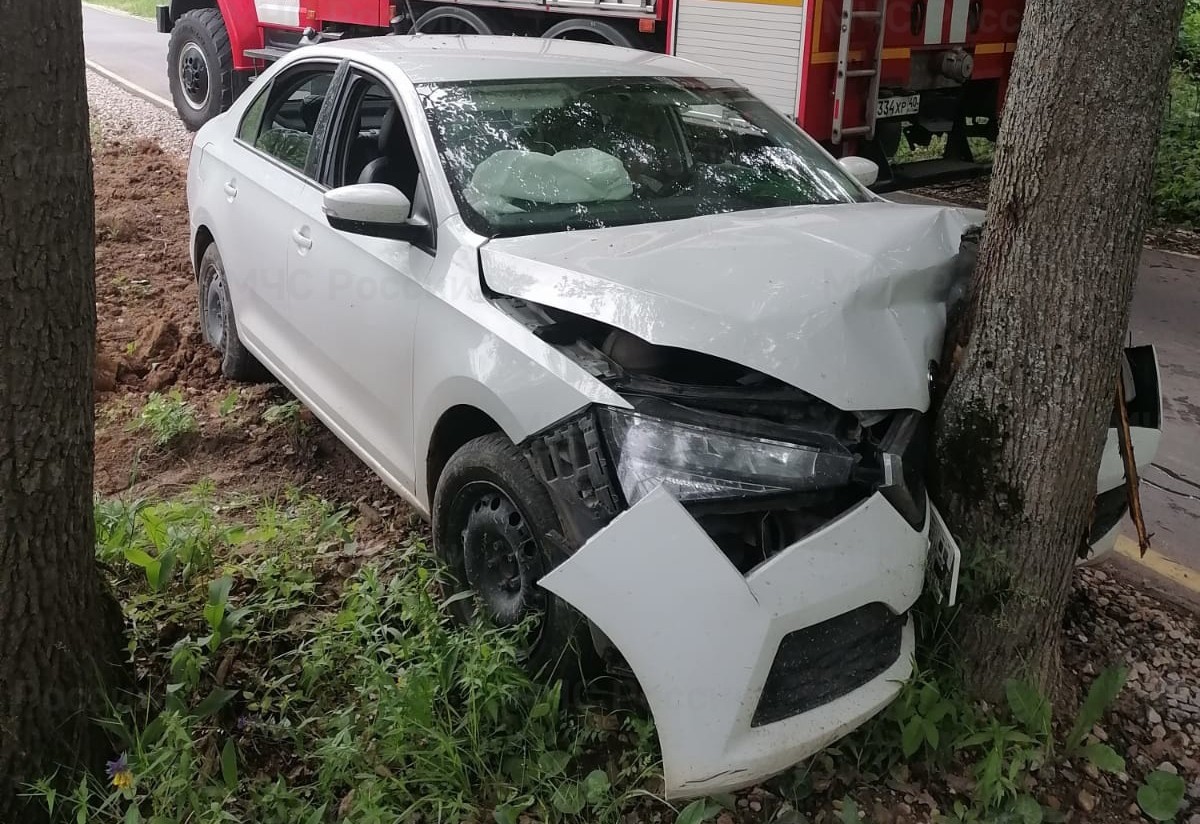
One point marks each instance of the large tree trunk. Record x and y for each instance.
(1020, 432)
(59, 629)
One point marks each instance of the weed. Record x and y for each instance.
(229, 403)
(932, 721)
(290, 417)
(1161, 796)
(168, 418)
(283, 414)
(277, 691)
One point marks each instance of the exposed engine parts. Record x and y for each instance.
(758, 463)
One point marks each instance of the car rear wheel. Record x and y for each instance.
(495, 529)
(218, 324)
(200, 66)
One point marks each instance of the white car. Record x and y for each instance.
(653, 363)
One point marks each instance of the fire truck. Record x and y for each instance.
(861, 76)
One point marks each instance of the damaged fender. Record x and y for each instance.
(1143, 394)
(702, 638)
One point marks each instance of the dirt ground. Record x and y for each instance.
(149, 340)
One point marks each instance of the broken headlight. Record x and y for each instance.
(696, 462)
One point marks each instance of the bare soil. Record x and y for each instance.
(149, 340)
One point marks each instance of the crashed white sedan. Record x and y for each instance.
(640, 350)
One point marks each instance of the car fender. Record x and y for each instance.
(471, 353)
(1143, 394)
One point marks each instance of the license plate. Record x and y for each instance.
(897, 106)
(945, 558)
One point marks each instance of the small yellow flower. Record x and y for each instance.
(120, 774)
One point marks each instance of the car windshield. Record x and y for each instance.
(526, 156)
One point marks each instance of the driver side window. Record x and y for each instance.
(282, 121)
(372, 143)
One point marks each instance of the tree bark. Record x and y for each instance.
(1019, 435)
(59, 628)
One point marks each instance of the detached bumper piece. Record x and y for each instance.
(746, 674)
(835, 657)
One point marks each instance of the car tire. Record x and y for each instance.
(593, 31)
(200, 67)
(455, 20)
(218, 324)
(496, 531)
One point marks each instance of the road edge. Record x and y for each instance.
(1169, 581)
(120, 12)
(130, 86)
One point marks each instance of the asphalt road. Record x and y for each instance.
(129, 47)
(1166, 313)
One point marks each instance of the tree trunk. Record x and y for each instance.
(59, 628)
(1019, 435)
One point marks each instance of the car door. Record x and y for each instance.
(353, 298)
(260, 174)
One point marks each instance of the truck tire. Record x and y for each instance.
(591, 31)
(456, 20)
(200, 67)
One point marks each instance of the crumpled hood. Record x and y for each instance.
(845, 302)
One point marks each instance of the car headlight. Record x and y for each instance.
(696, 462)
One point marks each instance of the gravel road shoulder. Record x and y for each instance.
(119, 114)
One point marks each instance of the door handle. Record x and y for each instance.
(301, 239)
(231, 190)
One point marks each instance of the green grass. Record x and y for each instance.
(279, 682)
(1177, 172)
(141, 8)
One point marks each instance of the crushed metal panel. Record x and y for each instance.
(852, 317)
(701, 638)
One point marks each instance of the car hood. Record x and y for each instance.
(845, 302)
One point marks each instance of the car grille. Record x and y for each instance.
(813, 666)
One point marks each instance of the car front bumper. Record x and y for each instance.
(748, 674)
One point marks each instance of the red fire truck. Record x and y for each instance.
(861, 76)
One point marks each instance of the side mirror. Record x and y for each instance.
(375, 210)
(864, 171)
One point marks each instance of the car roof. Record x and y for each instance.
(427, 58)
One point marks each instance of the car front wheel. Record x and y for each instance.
(496, 530)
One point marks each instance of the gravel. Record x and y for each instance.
(120, 114)
(1157, 717)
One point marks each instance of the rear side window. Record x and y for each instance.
(283, 119)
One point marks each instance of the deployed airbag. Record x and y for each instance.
(570, 176)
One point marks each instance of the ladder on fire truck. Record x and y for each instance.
(869, 73)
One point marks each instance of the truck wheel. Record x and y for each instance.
(200, 67)
(218, 324)
(495, 528)
(455, 20)
(591, 31)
